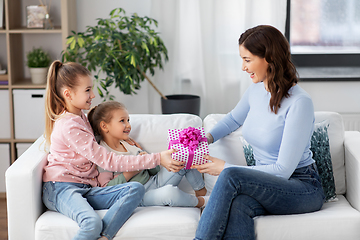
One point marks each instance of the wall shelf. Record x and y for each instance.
(17, 39)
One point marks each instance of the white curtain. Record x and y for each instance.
(202, 40)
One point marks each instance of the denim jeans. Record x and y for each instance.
(78, 202)
(240, 194)
(162, 190)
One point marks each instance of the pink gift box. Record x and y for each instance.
(191, 144)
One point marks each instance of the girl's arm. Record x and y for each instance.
(80, 140)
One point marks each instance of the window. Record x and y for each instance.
(325, 34)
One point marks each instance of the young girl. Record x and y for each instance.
(70, 176)
(111, 124)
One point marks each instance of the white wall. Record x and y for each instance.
(87, 13)
(343, 97)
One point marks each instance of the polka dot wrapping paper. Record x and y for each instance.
(191, 144)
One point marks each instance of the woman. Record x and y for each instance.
(277, 117)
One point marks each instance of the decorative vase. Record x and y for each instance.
(38, 75)
(181, 103)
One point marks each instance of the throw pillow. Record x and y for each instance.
(248, 152)
(320, 148)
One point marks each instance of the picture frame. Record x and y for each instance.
(35, 16)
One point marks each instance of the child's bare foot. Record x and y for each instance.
(202, 201)
(103, 238)
(201, 192)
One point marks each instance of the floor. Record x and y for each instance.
(3, 219)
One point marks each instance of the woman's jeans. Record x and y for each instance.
(162, 190)
(240, 194)
(78, 202)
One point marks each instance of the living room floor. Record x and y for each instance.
(3, 219)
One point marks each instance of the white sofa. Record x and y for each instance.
(28, 219)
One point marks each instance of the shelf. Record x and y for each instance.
(35, 30)
(24, 140)
(16, 40)
(26, 83)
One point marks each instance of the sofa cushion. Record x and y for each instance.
(227, 148)
(320, 148)
(336, 139)
(336, 220)
(151, 132)
(145, 223)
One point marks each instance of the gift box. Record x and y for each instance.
(191, 144)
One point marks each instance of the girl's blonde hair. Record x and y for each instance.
(102, 112)
(60, 76)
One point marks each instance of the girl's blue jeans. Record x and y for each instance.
(78, 202)
(162, 190)
(240, 194)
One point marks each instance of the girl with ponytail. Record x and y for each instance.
(70, 177)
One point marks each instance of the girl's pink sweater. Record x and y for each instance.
(74, 154)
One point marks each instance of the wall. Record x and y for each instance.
(342, 97)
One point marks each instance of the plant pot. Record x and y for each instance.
(181, 103)
(38, 75)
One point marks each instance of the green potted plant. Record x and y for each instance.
(38, 62)
(123, 48)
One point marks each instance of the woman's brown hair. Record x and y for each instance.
(60, 76)
(268, 42)
(102, 113)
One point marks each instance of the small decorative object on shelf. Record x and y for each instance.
(38, 16)
(35, 16)
(38, 62)
(3, 76)
(47, 20)
(2, 71)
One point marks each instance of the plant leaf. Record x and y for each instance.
(81, 41)
(70, 40)
(133, 62)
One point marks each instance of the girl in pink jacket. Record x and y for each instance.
(70, 176)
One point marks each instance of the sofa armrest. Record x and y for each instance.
(352, 166)
(23, 191)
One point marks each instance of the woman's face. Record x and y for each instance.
(254, 65)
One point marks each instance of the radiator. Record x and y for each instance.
(351, 121)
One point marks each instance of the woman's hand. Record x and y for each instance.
(170, 164)
(213, 168)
